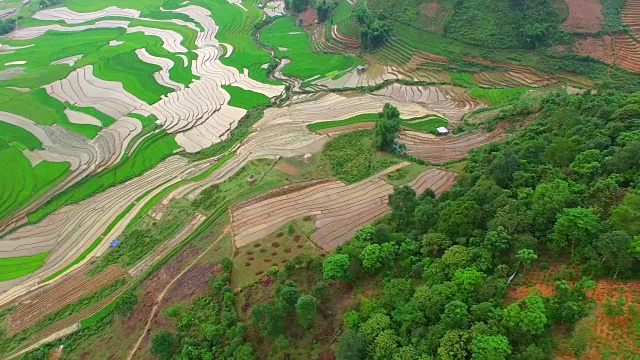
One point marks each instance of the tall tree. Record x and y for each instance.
(387, 125)
(306, 309)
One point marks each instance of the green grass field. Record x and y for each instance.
(245, 99)
(293, 43)
(497, 97)
(428, 123)
(10, 133)
(21, 183)
(11, 268)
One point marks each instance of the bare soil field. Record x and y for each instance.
(597, 47)
(339, 209)
(627, 52)
(287, 168)
(584, 16)
(53, 297)
(436, 149)
(433, 16)
(609, 336)
(631, 17)
(71, 320)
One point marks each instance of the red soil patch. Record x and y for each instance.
(600, 48)
(287, 250)
(584, 16)
(287, 168)
(276, 244)
(627, 52)
(247, 264)
(296, 238)
(308, 16)
(615, 335)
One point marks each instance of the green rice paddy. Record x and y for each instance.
(292, 42)
(245, 99)
(497, 97)
(148, 154)
(21, 182)
(428, 123)
(11, 268)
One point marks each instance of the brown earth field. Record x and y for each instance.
(597, 47)
(608, 336)
(339, 209)
(584, 16)
(627, 52)
(287, 168)
(631, 17)
(54, 297)
(435, 149)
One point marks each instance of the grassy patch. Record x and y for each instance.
(406, 174)
(14, 267)
(245, 99)
(255, 259)
(497, 97)
(353, 158)
(462, 79)
(292, 42)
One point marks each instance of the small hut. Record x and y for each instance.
(442, 130)
(251, 180)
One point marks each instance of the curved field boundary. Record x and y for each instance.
(339, 209)
(437, 150)
(15, 267)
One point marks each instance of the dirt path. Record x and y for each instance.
(158, 301)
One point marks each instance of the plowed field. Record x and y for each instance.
(38, 304)
(442, 149)
(340, 210)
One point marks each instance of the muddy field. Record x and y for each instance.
(436, 149)
(584, 16)
(339, 209)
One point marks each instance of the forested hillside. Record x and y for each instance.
(429, 280)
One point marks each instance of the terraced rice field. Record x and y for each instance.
(627, 48)
(292, 42)
(434, 149)
(340, 209)
(51, 298)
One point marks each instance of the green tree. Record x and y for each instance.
(527, 316)
(351, 346)
(387, 125)
(324, 10)
(490, 347)
(336, 266)
(403, 204)
(454, 345)
(625, 216)
(375, 325)
(573, 226)
(526, 256)
(289, 293)
(163, 344)
(455, 315)
(434, 244)
(587, 163)
(306, 309)
(385, 344)
(371, 258)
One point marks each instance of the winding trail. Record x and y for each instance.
(158, 301)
